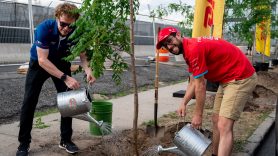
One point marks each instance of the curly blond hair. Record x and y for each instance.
(67, 9)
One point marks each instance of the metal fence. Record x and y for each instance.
(15, 23)
(145, 32)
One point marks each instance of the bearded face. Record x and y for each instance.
(173, 45)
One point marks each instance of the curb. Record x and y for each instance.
(253, 142)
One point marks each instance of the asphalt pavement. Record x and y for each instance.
(12, 86)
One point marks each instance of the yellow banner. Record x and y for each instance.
(263, 37)
(208, 14)
(203, 18)
(218, 18)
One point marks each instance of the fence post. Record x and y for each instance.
(31, 25)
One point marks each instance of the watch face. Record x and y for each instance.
(64, 77)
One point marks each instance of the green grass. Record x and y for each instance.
(239, 144)
(120, 94)
(140, 89)
(39, 124)
(151, 122)
(144, 88)
(148, 123)
(38, 114)
(264, 114)
(171, 115)
(45, 112)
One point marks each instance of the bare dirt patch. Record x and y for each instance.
(259, 105)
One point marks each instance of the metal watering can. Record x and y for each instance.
(76, 104)
(188, 141)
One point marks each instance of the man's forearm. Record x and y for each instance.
(200, 93)
(189, 91)
(46, 64)
(50, 68)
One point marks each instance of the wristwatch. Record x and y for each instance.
(64, 77)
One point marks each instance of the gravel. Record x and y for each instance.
(12, 87)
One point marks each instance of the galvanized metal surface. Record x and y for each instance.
(88, 117)
(191, 141)
(73, 102)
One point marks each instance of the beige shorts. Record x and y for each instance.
(231, 97)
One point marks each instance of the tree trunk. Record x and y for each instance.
(135, 119)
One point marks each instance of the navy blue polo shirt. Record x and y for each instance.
(47, 37)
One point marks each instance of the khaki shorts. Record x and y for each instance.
(231, 97)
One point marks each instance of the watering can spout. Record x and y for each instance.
(173, 149)
(88, 117)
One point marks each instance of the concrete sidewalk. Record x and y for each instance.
(122, 119)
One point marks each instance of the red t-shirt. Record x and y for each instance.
(216, 59)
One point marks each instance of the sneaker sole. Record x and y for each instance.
(62, 147)
(28, 152)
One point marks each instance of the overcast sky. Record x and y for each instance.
(155, 3)
(143, 5)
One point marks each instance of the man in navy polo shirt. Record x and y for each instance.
(47, 53)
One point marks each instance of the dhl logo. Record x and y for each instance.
(208, 19)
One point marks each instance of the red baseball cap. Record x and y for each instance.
(163, 34)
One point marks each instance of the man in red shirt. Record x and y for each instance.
(216, 60)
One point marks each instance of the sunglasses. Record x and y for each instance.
(168, 41)
(64, 24)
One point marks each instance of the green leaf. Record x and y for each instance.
(102, 32)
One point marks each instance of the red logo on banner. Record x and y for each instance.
(208, 20)
(263, 33)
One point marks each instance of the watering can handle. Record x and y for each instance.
(88, 87)
(89, 91)
(200, 129)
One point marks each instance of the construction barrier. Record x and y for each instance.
(163, 55)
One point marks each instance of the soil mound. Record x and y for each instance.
(119, 144)
(269, 80)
